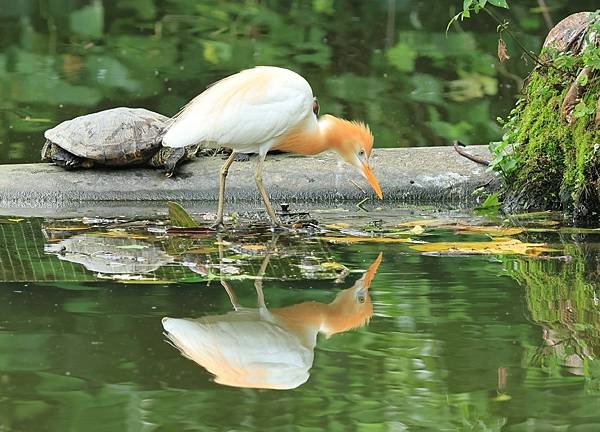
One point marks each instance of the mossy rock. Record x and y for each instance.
(554, 132)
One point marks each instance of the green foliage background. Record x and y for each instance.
(387, 62)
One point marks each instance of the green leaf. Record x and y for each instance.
(490, 206)
(180, 217)
(324, 6)
(583, 80)
(402, 56)
(499, 3)
(89, 20)
(582, 110)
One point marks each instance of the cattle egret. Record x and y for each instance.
(262, 348)
(267, 108)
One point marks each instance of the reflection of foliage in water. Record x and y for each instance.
(563, 298)
(411, 82)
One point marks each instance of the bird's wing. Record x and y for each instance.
(244, 110)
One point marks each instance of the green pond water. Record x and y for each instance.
(450, 328)
(442, 339)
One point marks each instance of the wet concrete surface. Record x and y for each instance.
(428, 175)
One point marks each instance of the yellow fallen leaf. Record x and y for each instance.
(423, 222)
(120, 234)
(16, 220)
(349, 239)
(502, 397)
(332, 265)
(69, 228)
(499, 246)
(253, 247)
(417, 230)
(337, 226)
(493, 231)
(547, 223)
(201, 250)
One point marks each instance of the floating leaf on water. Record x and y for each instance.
(491, 205)
(11, 220)
(502, 397)
(417, 230)
(337, 226)
(499, 246)
(547, 223)
(119, 233)
(253, 247)
(355, 233)
(332, 265)
(350, 239)
(69, 228)
(534, 215)
(202, 250)
(575, 230)
(424, 223)
(493, 231)
(199, 230)
(180, 217)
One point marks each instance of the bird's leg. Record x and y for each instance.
(221, 208)
(258, 283)
(232, 297)
(265, 196)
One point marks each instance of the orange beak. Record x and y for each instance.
(370, 274)
(372, 179)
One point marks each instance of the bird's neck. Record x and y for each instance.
(307, 319)
(307, 140)
(304, 320)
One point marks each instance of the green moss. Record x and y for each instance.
(555, 164)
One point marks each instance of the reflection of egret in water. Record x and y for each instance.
(263, 348)
(110, 255)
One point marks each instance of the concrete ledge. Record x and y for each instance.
(413, 175)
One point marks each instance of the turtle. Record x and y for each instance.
(116, 137)
(109, 255)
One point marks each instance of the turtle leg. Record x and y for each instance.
(170, 165)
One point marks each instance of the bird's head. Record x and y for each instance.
(353, 141)
(353, 306)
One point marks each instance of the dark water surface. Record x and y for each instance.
(453, 342)
(389, 63)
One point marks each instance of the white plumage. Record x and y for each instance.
(247, 111)
(262, 348)
(267, 108)
(243, 349)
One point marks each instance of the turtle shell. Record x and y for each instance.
(118, 136)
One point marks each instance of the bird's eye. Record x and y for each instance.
(361, 299)
(361, 153)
